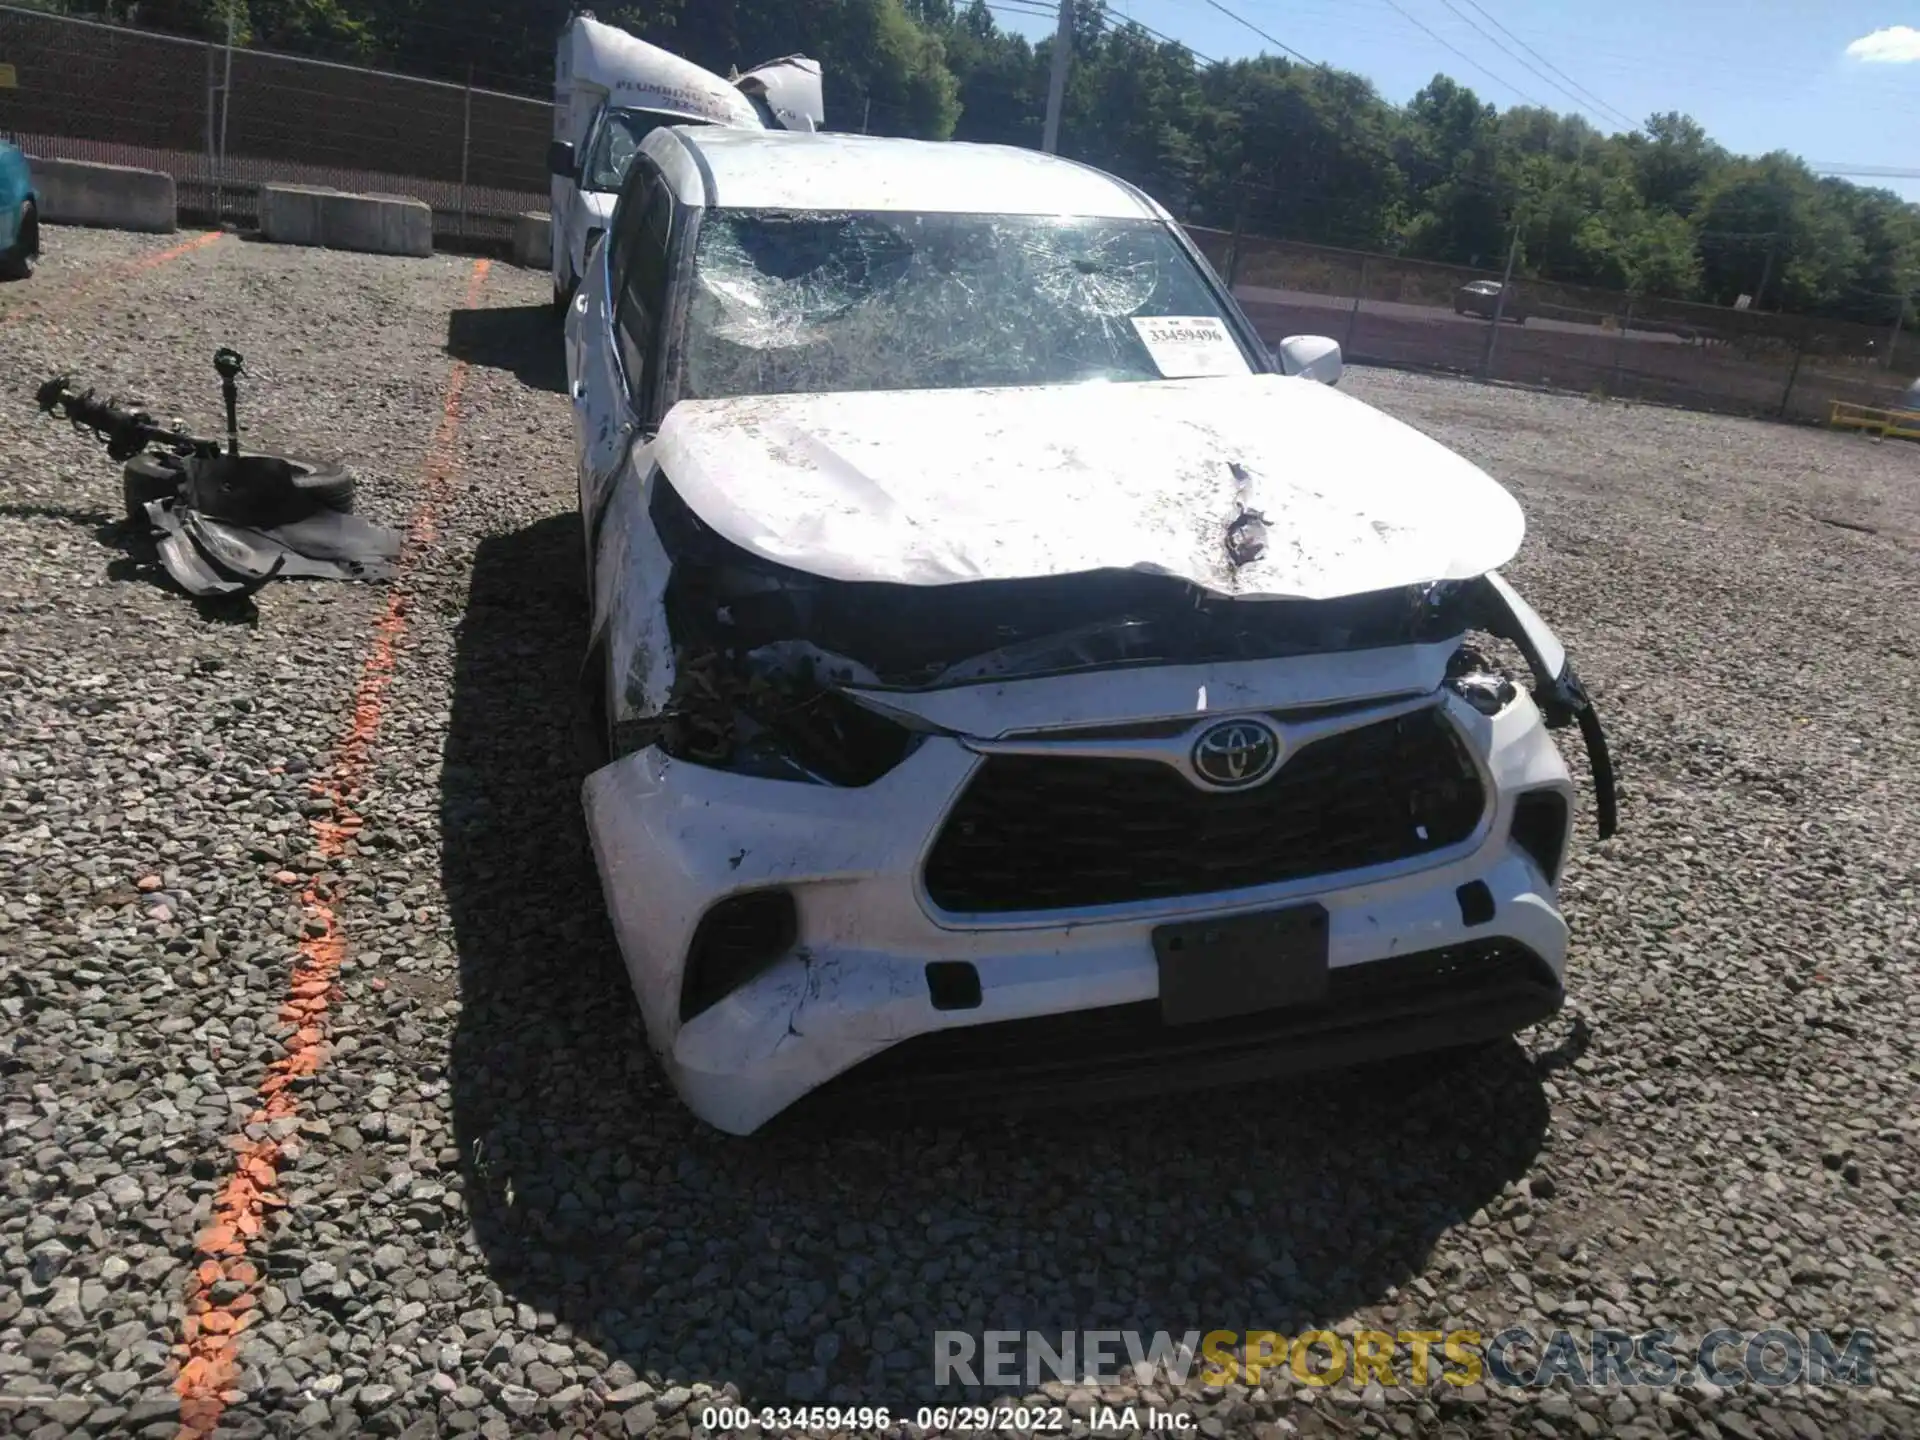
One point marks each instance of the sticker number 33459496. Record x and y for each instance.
(1189, 345)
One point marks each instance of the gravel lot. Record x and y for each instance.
(497, 1218)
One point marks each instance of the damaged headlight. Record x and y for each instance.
(774, 715)
(1476, 680)
(825, 739)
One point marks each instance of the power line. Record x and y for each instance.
(1524, 63)
(1619, 115)
(1271, 40)
(1112, 25)
(1049, 9)
(1446, 45)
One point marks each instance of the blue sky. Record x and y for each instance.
(1834, 81)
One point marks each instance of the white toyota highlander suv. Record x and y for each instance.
(1015, 681)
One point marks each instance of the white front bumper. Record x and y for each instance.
(672, 838)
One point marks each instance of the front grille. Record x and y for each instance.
(1459, 995)
(1050, 833)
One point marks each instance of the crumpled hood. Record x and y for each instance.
(938, 486)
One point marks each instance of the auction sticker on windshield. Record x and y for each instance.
(1189, 345)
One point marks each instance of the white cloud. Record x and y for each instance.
(1895, 45)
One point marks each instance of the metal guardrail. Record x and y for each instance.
(1902, 424)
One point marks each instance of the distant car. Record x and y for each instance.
(1479, 297)
(19, 215)
(1912, 402)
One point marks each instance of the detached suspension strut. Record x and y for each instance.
(229, 363)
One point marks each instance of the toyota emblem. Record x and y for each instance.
(1236, 754)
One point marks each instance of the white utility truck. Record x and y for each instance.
(611, 89)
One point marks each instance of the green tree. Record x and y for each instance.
(1002, 86)
(1449, 149)
(1673, 161)
(1134, 112)
(1297, 152)
(1767, 228)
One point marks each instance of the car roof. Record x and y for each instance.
(739, 169)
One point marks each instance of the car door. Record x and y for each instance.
(619, 327)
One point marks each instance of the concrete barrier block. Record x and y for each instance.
(533, 240)
(376, 224)
(80, 192)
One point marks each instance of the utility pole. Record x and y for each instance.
(1766, 271)
(1233, 246)
(1500, 304)
(466, 150)
(1057, 82)
(226, 108)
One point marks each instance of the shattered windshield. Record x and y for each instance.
(795, 302)
(618, 142)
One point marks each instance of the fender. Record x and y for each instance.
(1557, 689)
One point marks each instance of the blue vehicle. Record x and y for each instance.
(19, 215)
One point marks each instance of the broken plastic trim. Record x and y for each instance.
(1557, 690)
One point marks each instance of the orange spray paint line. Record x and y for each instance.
(222, 1296)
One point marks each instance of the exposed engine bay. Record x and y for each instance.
(775, 671)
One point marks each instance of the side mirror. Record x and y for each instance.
(560, 160)
(1312, 357)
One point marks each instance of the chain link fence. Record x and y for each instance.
(1385, 310)
(223, 122)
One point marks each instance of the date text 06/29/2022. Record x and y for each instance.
(1016, 1419)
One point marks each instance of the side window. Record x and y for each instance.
(643, 285)
(626, 211)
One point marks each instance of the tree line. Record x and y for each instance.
(1278, 147)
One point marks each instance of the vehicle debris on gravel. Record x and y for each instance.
(224, 523)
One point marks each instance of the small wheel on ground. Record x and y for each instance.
(148, 477)
(328, 485)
